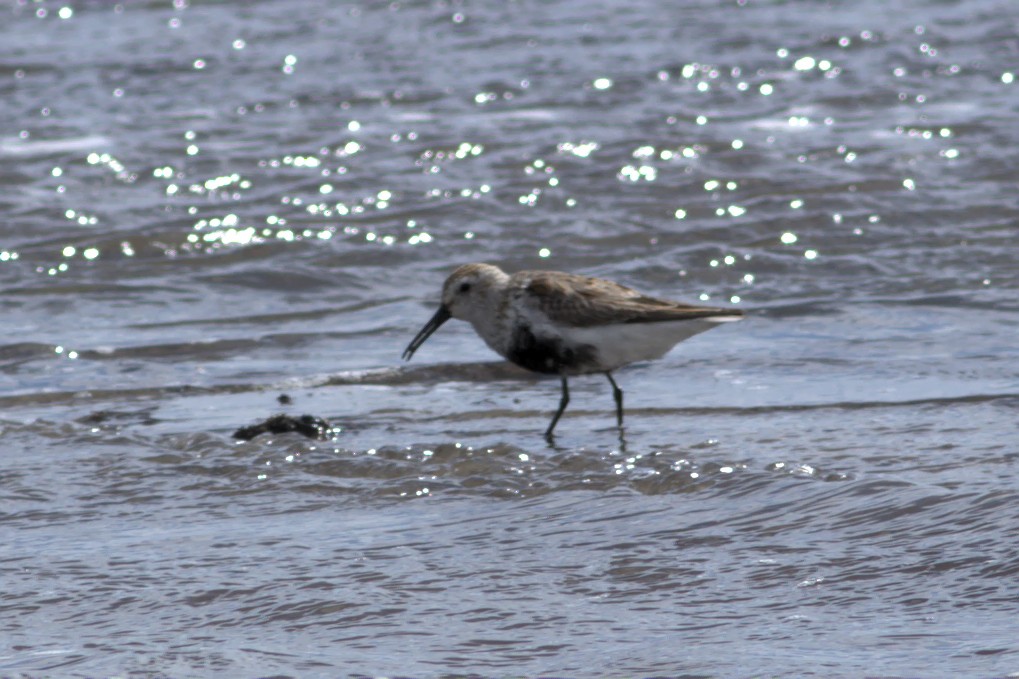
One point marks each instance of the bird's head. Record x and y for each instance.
(468, 294)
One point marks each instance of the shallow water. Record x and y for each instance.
(207, 205)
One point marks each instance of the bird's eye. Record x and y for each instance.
(465, 287)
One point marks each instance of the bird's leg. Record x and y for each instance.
(617, 394)
(563, 402)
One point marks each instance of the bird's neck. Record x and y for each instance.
(493, 323)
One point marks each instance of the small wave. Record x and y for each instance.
(47, 147)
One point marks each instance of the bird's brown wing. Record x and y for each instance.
(583, 301)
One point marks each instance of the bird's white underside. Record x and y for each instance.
(620, 344)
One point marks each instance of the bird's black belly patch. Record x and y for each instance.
(549, 354)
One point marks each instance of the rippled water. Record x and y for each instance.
(207, 205)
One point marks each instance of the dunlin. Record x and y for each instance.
(564, 324)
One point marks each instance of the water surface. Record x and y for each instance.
(206, 205)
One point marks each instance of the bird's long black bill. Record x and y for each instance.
(440, 317)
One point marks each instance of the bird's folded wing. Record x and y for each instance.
(582, 301)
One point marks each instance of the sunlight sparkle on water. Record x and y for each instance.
(635, 174)
(581, 149)
(804, 63)
(304, 161)
(113, 164)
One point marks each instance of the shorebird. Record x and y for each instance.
(566, 324)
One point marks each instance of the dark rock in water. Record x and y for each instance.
(284, 399)
(305, 425)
